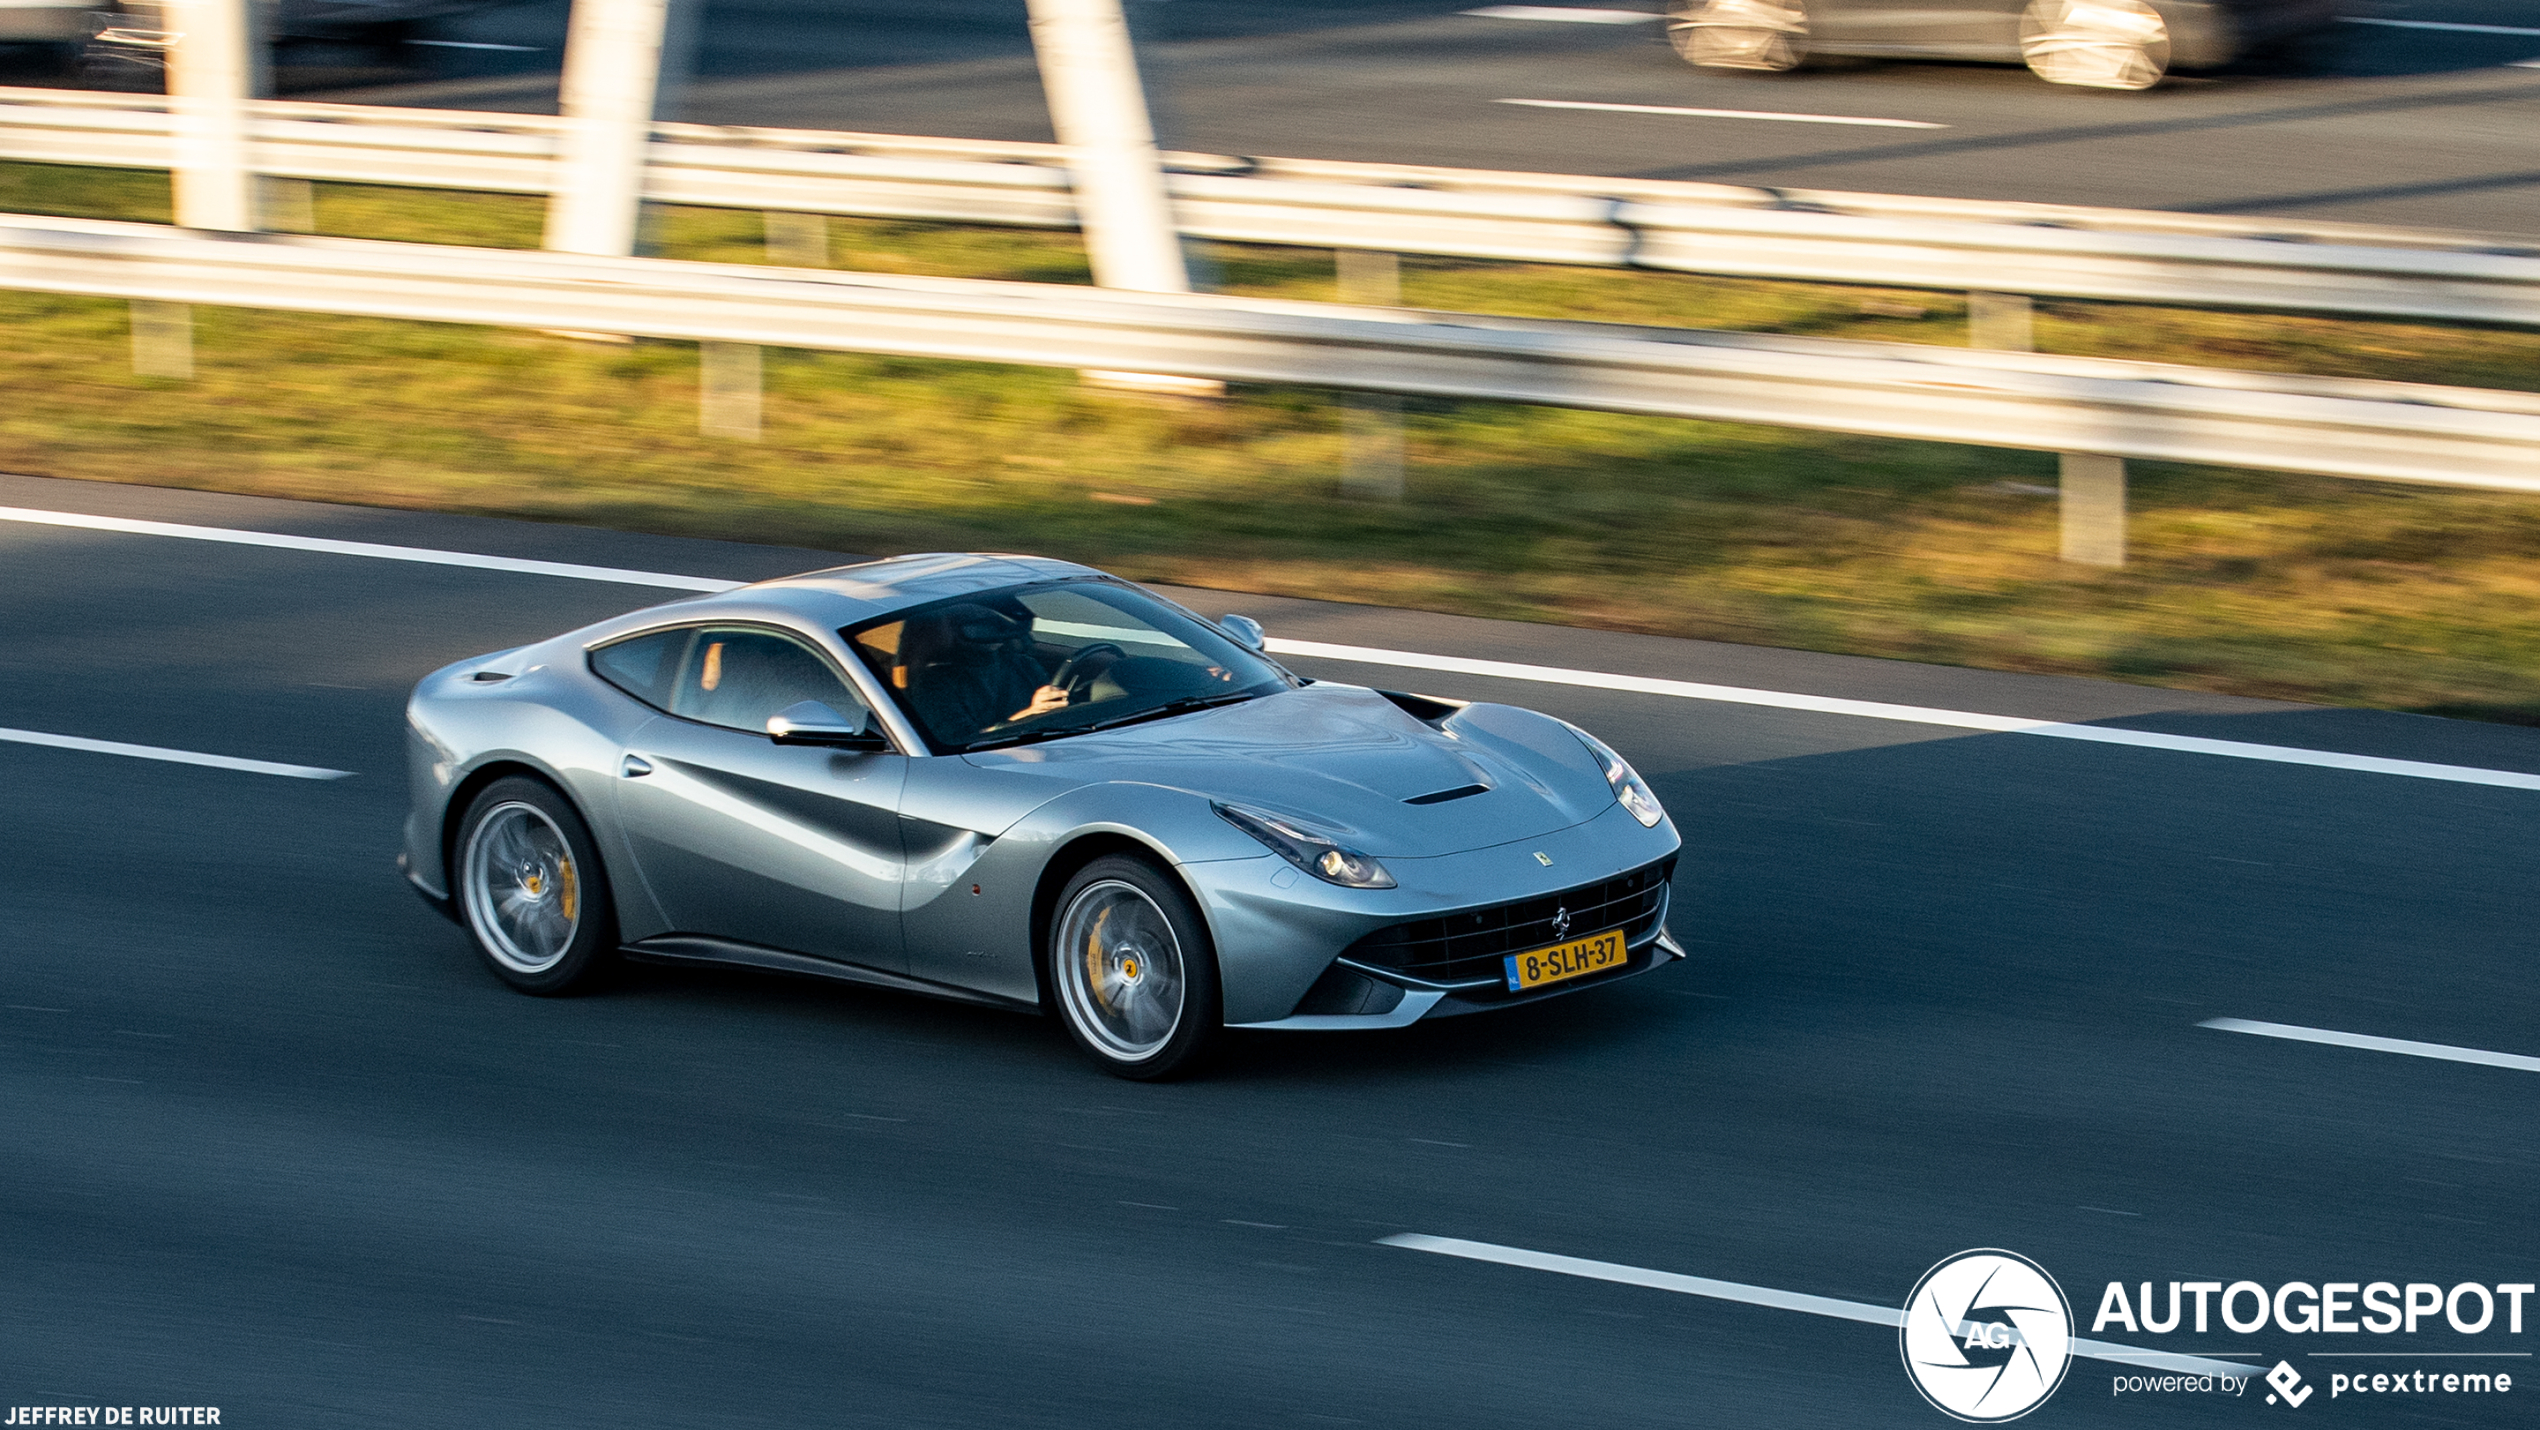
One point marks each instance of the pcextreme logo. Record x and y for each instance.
(1987, 1336)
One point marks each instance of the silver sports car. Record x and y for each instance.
(1022, 782)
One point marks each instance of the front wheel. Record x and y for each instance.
(1132, 971)
(531, 888)
(1740, 34)
(2098, 44)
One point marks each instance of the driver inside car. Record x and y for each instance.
(969, 668)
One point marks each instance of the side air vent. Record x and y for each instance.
(1442, 796)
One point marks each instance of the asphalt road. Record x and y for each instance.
(2428, 127)
(277, 1143)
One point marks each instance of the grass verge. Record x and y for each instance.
(2411, 598)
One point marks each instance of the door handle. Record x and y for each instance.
(635, 767)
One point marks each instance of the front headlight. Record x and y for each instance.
(1311, 852)
(1630, 790)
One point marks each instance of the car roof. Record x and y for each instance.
(847, 595)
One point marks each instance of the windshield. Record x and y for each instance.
(1034, 662)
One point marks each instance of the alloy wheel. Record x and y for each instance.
(523, 893)
(1740, 34)
(1119, 970)
(2098, 44)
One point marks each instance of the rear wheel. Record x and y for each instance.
(1132, 971)
(531, 889)
(2098, 44)
(1740, 34)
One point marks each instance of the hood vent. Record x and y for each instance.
(1442, 796)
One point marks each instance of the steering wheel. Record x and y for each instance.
(1070, 672)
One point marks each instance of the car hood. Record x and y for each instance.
(1346, 761)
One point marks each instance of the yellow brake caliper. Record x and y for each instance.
(1093, 958)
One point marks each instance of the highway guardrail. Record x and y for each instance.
(2381, 430)
(2039, 250)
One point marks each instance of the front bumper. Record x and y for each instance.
(1387, 998)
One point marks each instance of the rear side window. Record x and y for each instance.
(645, 666)
(738, 676)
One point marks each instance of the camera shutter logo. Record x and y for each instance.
(1987, 1336)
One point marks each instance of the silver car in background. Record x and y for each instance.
(1022, 782)
(2096, 44)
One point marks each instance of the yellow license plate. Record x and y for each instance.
(1565, 960)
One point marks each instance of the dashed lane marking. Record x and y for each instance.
(2453, 25)
(2445, 1052)
(1778, 1300)
(1575, 15)
(1859, 121)
(173, 757)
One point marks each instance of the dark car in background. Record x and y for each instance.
(2100, 44)
(110, 38)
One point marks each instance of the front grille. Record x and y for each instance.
(1469, 944)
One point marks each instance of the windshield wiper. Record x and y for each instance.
(1182, 706)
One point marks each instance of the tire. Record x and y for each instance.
(2097, 44)
(1132, 974)
(530, 889)
(1740, 34)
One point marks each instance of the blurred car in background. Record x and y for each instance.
(2100, 44)
(128, 39)
(55, 29)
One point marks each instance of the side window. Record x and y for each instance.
(644, 666)
(737, 677)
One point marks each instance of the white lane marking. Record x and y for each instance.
(1910, 714)
(1575, 16)
(1852, 119)
(2531, 64)
(2442, 25)
(1767, 1296)
(1409, 660)
(363, 548)
(173, 757)
(476, 45)
(2444, 1051)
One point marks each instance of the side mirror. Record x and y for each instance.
(1246, 631)
(812, 723)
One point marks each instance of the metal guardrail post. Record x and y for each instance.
(1371, 422)
(612, 77)
(2090, 496)
(216, 65)
(728, 390)
(1089, 70)
(613, 62)
(797, 240)
(162, 339)
(1099, 109)
(285, 205)
(2005, 322)
(2093, 502)
(214, 69)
